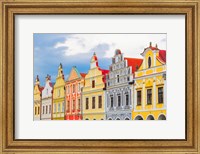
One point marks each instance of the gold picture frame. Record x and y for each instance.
(9, 8)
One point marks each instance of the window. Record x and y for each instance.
(43, 109)
(49, 108)
(128, 78)
(58, 107)
(54, 108)
(63, 107)
(149, 96)
(93, 102)
(119, 100)
(127, 99)
(149, 62)
(38, 110)
(74, 106)
(100, 102)
(116, 59)
(47, 91)
(111, 101)
(139, 98)
(79, 103)
(58, 92)
(93, 83)
(74, 88)
(87, 103)
(79, 87)
(68, 105)
(35, 110)
(46, 109)
(68, 89)
(117, 78)
(160, 95)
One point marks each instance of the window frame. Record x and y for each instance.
(159, 95)
(87, 103)
(93, 83)
(100, 102)
(93, 102)
(140, 103)
(149, 89)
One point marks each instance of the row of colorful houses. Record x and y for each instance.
(132, 89)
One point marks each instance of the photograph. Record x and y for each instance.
(100, 76)
(114, 76)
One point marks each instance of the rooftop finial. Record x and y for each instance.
(60, 66)
(156, 45)
(37, 78)
(150, 44)
(94, 54)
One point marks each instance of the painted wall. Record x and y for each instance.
(59, 96)
(47, 93)
(74, 85)
(95, 74)
(151, 75)
(37, 96)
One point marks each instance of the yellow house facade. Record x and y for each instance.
(149, 89)
(59, 96)
(37, 99)
(93, 94)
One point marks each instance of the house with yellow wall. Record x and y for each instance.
(93, 94)
(59, 96)
(149, 88)
(37, 99)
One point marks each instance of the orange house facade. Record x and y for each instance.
(73, 86)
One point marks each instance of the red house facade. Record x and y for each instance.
(73, 87)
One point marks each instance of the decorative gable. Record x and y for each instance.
(74, 74)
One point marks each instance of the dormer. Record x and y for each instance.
(152, 57)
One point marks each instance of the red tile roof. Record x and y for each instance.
(41, 88)
(83, 74)
(162, 56)
(104, 72)
(134, 62)
(51, 84)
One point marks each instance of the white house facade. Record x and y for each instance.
(47, 93)
(119, 89)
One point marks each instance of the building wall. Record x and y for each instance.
(73, 87)
(152, 77)
(37, 100)
(94, 74)
(46, 109)
(59, 96)
(118, 84)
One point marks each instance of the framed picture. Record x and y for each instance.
(99, 76)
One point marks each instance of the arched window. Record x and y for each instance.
(149, 62)
(162, 117)
(138, 118)
(150, 117)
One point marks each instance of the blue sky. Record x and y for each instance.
(77, 49)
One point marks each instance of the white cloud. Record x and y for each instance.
(130, 44)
